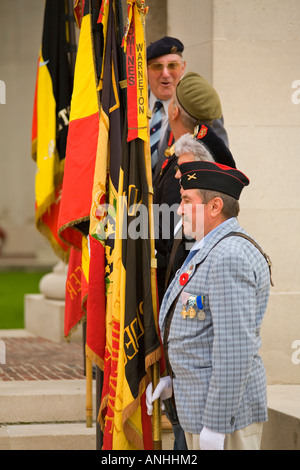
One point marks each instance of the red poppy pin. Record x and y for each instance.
(183, 279)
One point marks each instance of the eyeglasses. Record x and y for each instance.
(158, 66)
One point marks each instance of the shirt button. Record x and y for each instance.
(232, 421)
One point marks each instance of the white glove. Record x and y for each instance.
(163, 391)
(211, 440)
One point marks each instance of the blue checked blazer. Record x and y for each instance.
(219, 378)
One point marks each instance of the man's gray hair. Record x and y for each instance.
(188, 144)
(231, 206)
(188, 121)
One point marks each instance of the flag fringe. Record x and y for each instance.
(72, 225)
(74, 328)
(130, 431)
(94, 357)
(41, 211)
(153, 357)
(133, 435)
(46, 232)
(58, 251)
(100, 418)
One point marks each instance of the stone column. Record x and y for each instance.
(53, 285)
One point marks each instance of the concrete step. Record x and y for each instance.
(50, 415)
(43, 401)
(39, 415)
(57, 436)
(282, 431)
(50, 436)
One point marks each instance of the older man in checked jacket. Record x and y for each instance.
(211, 316)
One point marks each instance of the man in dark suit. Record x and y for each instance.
(166, 66)
(194, 103)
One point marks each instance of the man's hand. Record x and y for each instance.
(163, 391)
(211, 440)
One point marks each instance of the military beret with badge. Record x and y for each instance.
(164, 46)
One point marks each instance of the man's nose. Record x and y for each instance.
(180, 209)
(165, 71)
(178, 174)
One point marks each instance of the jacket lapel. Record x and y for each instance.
(175, 287)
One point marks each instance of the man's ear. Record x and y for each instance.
(175, 112)
(216, 206)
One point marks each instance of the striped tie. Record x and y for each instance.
(155, 132)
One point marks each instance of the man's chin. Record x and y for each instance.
(188, 232)
(166, 92)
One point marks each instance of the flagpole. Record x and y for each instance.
(72, 39)
(157, 437)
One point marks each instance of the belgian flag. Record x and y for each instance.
(105, 187)
(76, 195)
(127, 312)
(51, 120)
(74, 213)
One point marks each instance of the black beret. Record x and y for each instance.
(163, 46)
(213, 176)
(215, 145)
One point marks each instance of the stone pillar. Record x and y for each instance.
(53, 285)
(44, 312)
(250, 52)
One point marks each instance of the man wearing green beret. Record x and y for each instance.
(198, 98)
(195, 103)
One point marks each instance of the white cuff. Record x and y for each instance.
(211, 440)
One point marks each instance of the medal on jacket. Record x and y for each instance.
(184, 298)
(199, 302)
(192, 302)
(184, 313)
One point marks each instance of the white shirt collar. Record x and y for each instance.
(198, 245)
(152, 101)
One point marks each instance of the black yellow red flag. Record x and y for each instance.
(132, 343)
(74, 213)
(105, 189)
(50, 121)
(76, 197)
